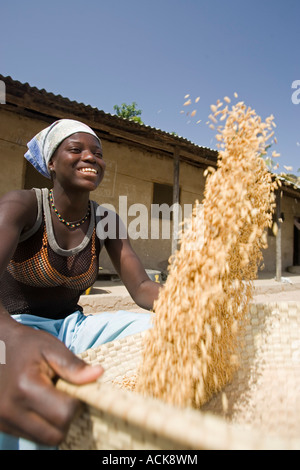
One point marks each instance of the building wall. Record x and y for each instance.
(131, 172)
(290, 208)
(12, 146)
(15, 131)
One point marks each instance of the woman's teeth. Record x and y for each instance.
(88, 170)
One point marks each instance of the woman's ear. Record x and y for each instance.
(51, 169)
(50, 164)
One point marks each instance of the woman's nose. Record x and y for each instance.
(91, 158)
(88, 156)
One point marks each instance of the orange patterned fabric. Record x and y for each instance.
(44, 280)
(37, 271)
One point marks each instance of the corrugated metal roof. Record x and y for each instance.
(9, 81)
(287, 182)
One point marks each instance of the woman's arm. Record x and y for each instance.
(30, 405)
(143, 290)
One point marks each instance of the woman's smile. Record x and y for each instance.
(88, 170)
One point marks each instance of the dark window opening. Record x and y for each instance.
(163, 195)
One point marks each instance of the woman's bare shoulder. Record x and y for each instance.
(22, 197)
(19, 204)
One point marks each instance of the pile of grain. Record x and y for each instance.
(192, 350)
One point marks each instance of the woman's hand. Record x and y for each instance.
(30, 404)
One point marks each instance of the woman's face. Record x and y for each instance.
(78, 162)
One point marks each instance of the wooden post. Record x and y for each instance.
(278, 237)
(175, 199)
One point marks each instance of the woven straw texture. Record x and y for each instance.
(259, 409)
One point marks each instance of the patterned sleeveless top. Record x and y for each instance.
(42, 278)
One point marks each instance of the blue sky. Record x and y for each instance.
(106, 52)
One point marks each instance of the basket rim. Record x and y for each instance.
(188, 427)
(193, 429)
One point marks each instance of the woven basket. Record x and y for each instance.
(263, 400)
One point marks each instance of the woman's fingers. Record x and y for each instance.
(70, 367)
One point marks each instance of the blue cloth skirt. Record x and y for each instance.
(80, 332)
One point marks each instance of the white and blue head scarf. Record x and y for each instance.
(43, 145)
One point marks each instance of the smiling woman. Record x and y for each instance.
(48, 257)
(81, 152)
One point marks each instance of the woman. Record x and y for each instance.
(48, 257)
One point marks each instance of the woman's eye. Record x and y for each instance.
(98, 154)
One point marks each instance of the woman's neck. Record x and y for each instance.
(72, 205)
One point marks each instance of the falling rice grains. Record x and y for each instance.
(192, 350)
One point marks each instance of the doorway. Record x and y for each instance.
(296, 257)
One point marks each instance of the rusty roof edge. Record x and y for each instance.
(289, 186)
(96, 116)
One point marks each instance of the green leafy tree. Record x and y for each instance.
(129, 111)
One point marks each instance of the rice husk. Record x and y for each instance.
(192, 351)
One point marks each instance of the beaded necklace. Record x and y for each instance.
(77, 223)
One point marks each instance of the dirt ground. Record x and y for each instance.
(113, 295)
(283, 296)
